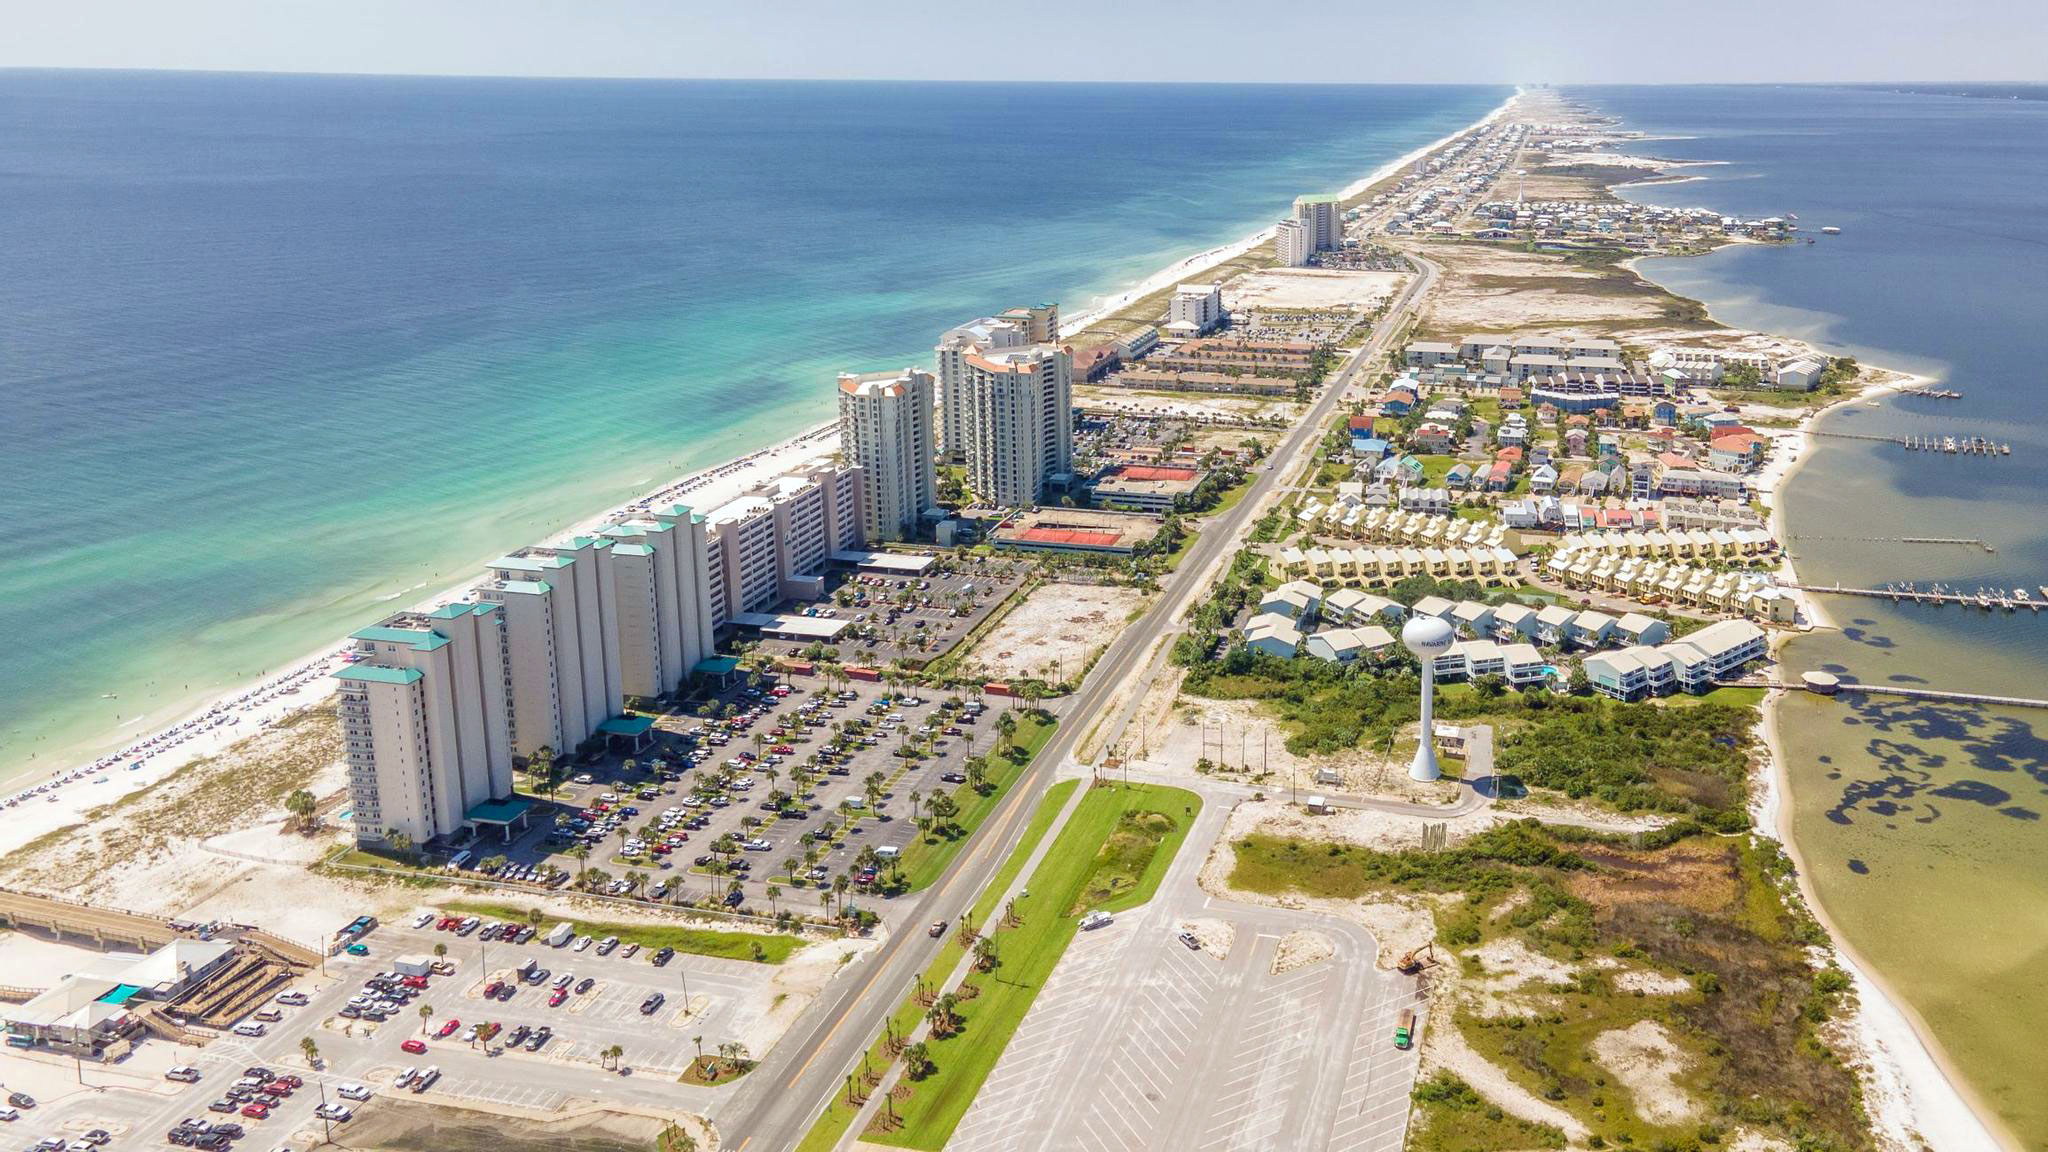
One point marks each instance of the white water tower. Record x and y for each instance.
(1428, 637)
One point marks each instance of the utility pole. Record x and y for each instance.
(326, 1125)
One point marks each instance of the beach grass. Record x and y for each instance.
(1718, 939)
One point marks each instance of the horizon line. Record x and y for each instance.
(975, 82)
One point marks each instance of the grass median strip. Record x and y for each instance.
(1117, 845)
(841, 1112)
(764, 947)
(927, 855)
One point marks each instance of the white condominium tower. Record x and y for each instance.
(1293, 243)
(660, 562)
(774, 542)
(561, 631)
(885, 427)
(1020, 408)
(1013, 329)
(1322, 217)
(424, 722)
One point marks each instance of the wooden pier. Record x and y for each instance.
(1988, 599)
(1823, 685)
(1947, 445)
(1965, 541)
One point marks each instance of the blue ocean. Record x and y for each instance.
(278, 353)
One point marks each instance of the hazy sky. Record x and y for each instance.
(1420, 40)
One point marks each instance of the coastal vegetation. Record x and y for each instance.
(761, 947)
(1450, 1117)
(1568, 950)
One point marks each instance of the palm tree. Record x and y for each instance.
(312, 1052)
(534, 916)
(440, 950)
(916, 799)
(774, 891)
(302, 805)
(426, 1014)
(840, 884)
(541, 765)
(612, 1054)
(581, 852)
(985, 957)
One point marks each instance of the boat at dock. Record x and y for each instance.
(1831, 230)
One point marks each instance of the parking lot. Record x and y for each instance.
(782, 786)
(911, 618)
(1138, 1041)
(138, 1107)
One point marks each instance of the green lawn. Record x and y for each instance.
(832, 1123)
(775, 947)
(1737, 695)
(1125, 832)
(926, 856)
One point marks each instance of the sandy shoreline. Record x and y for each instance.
(38, 802)
(1180, 270)
(1916, 1092)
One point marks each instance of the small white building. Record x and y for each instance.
(1195, 307)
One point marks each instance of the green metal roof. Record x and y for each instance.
(626, 726)
(418, 641)
(502, 811)
(717, 665)
(378, 674)
(632, 550)
(527, 586)
(451, 611)
(621, 531)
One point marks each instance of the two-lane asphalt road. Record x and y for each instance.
(778, 1101)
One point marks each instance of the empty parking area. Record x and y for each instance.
(1139, 1042)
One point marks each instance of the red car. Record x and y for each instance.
(278, 1088)
(414, 1047)
(555, 1001)
(448, 1028)
(256, 1111)
(415, 982)
(492, 989)
(784, 750)
(291, 1079)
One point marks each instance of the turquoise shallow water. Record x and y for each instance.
(279, 352)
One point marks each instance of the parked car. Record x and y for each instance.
(1404, 1029)
(183, 1073)
(1188, 938)
(651, 1005)
(414, 1047)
